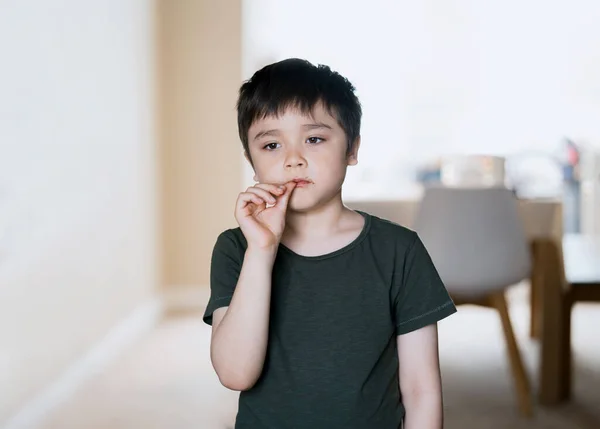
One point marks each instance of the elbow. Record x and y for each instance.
(416, 396)
(236, 377)
(236, 382)
(236, 374)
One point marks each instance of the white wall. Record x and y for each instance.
(441, 77)
(77, 181)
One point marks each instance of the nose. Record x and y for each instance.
(295, 159)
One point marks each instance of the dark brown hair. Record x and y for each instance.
(298, 84)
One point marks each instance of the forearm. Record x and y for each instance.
(239, 343)
(423, 410)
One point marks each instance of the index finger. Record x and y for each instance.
(272, 188)
(284, 199)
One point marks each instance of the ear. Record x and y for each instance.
(255, 177)
(352, 158)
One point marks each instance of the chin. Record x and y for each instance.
(300, 207)
(306, 203)
(302, 204)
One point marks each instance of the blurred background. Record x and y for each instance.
(120, 163)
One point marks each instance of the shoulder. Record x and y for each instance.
(231, 241)
(388, 233)
(234, 235)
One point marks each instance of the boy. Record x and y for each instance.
(323, 317)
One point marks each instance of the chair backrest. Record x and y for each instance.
(475, 238)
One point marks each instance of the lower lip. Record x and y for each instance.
(302, 184)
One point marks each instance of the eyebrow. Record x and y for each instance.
(266, 134)
(275, 132)
(316, 125)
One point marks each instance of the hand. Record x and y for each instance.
(263, 225)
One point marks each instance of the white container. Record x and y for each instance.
(590, 192)
(473, 171)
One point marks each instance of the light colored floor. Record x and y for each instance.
(166, 380)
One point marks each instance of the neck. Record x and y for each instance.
(321, 221)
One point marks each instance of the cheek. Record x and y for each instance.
(265, 168)
(329, 152)
(333, 160)
(332, 171)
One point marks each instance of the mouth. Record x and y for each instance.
(302, 183)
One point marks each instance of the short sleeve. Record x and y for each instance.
(421, 298)
(225, 267)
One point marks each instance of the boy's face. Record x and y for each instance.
(311, 150)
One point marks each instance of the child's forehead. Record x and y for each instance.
(295, 114)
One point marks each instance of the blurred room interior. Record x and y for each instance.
(120, 163)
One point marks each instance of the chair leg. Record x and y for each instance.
(522, 384)
(566, 384)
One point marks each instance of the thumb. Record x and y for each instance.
(283, 200)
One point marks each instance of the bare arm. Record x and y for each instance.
(240, 331)
(420, 380)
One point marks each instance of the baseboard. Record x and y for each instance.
(140, 321)
(185, 298)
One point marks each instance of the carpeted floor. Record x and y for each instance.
(166, 381)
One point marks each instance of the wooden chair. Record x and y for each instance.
(476, 240)
(567, 273)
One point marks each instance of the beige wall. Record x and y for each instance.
(200, 73)
(77, 182)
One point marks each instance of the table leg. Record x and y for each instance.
(554, 384)
(535, 295)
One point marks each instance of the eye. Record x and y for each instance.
(314, 140)
(271, 146)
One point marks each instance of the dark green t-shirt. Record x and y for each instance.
(332, 359)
